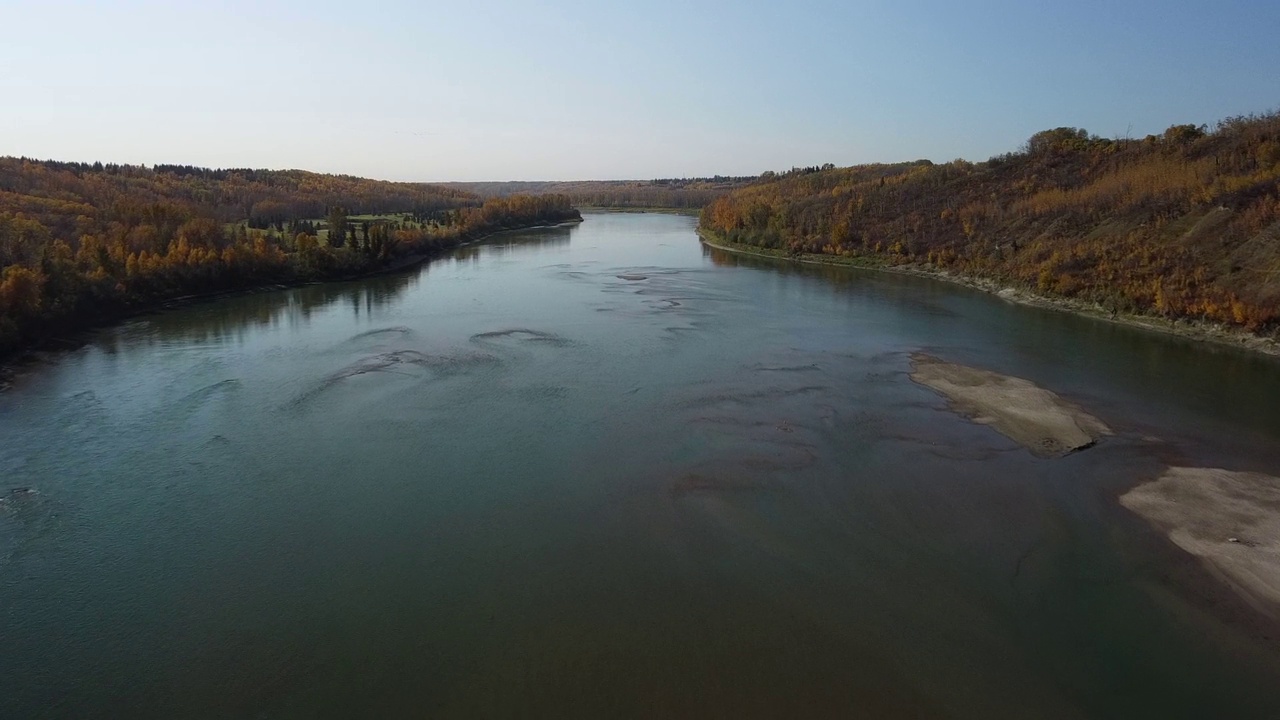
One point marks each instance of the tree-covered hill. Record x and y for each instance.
(677, 193)
(1185, 224)
(80, 243)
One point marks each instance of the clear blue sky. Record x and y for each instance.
(500, 90)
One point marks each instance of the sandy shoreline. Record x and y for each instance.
(1019, 409)
(1230, 520)
(1204, 332)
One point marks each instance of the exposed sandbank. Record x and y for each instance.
(1231, 520)
(1019, 409)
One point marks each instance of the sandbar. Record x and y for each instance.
(1231, 520)
(1019, 409)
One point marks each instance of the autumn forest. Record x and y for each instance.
(85, 243)
(1181, 225)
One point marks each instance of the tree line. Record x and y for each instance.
(675, 193)
(1184, 224)
(81, 243)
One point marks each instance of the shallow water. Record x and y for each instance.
(603, 471)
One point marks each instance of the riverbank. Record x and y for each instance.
(1194, 330)
(76, 334)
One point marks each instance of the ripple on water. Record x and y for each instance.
(811, 367)
(541, 393)
(752, 397)
(520, 336)
(715, 484)
(26, 515)
(199, 396)
(398, 330)
(83, 413)
(412, 363)
(664, 304)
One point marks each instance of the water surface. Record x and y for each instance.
(602, 471)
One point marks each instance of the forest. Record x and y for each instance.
(1180, 225)
(85, 243)
(672, 193)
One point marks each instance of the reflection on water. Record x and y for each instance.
(231, 319)
(597, 471)
(228, 320)
(505, 243)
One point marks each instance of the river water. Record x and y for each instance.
(602, 471)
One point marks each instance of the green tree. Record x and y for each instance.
(337, 226)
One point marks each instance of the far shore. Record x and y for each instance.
(639, 209)
(1191, 329)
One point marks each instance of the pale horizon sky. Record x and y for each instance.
(506, 90)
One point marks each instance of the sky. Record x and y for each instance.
(567, 90)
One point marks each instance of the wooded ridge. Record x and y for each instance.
(676, 193)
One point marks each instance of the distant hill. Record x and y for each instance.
(1185, 224)
(50, 191)
(663, 193)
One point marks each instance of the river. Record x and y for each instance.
(603, 471)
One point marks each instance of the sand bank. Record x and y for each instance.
(1037, 419)
(1231, 520)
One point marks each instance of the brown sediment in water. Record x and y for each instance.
(1230, 520)
(1019, 409)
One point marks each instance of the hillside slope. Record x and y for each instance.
(1181, 225)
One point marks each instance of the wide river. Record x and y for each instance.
(603, 471)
